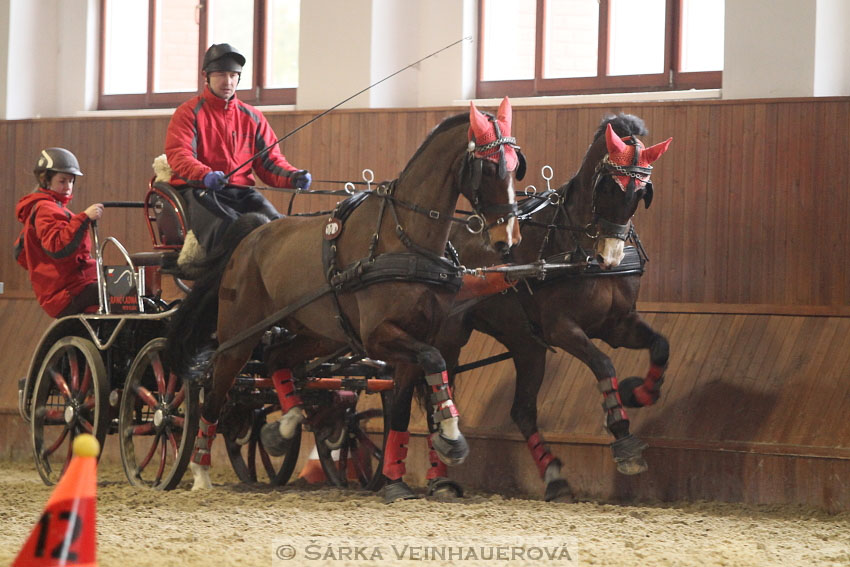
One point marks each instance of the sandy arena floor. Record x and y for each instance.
(239, 525)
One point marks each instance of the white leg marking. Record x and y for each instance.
(289, 422)
(201, 475)
(449, 428)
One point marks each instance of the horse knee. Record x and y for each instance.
(659, 350)
(431, 361)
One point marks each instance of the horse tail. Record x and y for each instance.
(190, 341)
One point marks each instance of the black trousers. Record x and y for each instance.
(86, 298)
(211, 212)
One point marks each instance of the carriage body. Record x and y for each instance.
(103, 373)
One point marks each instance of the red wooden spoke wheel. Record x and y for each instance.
(245, 449)
(70, 397)
(350, 443)
(158, 421)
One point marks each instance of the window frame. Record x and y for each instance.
(256, 95)
(671, 79)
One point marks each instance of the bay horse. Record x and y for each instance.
(591, 212)
(371, 279)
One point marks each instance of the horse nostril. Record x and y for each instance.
(600, 259)
(504, 250)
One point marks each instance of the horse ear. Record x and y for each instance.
(477, 121)
(504, 115)
(520, 169)
(654, 152)
(613, 141)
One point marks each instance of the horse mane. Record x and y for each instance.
(447, 124)
(623, 125)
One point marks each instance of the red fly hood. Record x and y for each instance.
(490, 138)
(623, 154)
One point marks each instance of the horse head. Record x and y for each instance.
(493, 161)
(620, 180)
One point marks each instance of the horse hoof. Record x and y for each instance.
(627, 454)
(274, 443)
(558, 490)
(444, 489)
(451, 452)
(633, 466)
(398, 491)
(626, 388)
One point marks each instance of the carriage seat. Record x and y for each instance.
(166, 216)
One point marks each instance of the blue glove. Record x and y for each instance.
(215, 180)
(301, 179)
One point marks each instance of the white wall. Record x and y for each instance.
(832, 48)
(49, 62)
(348, 45)
(5, 53)
(334, 58)
(769, 48)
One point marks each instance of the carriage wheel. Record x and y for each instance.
(71, 396)
(158, 421)
(245, 449)
(361, 454)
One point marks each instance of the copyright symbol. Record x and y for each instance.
(285, 552)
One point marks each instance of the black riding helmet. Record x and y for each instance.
(58, 160)
(223, 57)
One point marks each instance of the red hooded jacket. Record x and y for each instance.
(208, 133)
(56, 249)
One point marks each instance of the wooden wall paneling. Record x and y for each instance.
(819, 383)
(834, 368)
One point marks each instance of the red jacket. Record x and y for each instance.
(56, 250)
(208, 133)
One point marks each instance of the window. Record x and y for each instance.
(151, 50)
(552, 47)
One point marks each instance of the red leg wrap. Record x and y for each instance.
(647, 393)
(203, 443)
(615, 411)
(446, 408)
(438, 468)
(540, 453)
(285, 387)
(395, 453)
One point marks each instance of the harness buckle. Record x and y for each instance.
(434, 214)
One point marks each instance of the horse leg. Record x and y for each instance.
(227, 366)
(395, 450)
(277, 436)
(447, 441)
(530, 364)
(626, 447)
(635, 333)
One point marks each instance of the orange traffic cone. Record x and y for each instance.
(312, 470)
(313, 473)
(65, 533)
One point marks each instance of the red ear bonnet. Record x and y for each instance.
(623, 154)
(484, 130)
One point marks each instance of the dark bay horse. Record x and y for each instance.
(588, 217)
(371, 279)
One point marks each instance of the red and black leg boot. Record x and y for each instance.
(203, 443)
(639, 392)
(440, 486)
(627, 448)
(549, 468)
(448, 442)
(395, 452)
(277, 436)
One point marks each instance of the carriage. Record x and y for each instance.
(102, 373)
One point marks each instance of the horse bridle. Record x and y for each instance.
(598, 227)
(635, 173)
